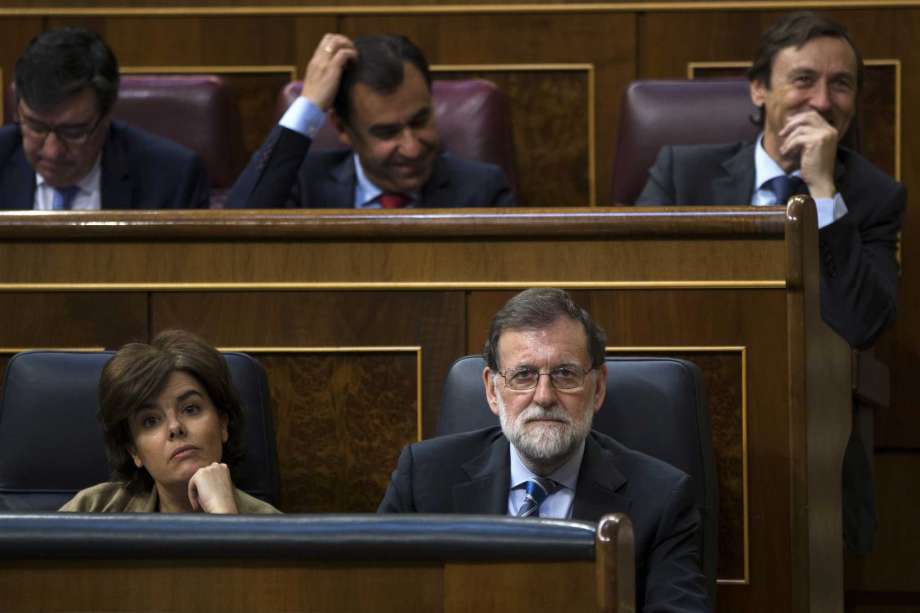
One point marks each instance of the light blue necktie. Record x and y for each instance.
(537, 490)
(785, 186)
(63, 197)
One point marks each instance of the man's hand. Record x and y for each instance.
(211, 490)
(321, 80)
(810, 138)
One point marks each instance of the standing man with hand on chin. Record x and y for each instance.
(377, 91)
(805, 80)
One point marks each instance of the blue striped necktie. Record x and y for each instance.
(785, 186)
(537, 490)
(63, 197)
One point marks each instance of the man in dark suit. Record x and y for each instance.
(66, 153)
(377, 90)
(805, 79)
(545, 379)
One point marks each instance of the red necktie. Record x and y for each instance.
(394, 201)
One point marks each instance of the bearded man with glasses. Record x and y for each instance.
(545, 379)
(66, 153)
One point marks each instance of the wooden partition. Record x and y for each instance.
(328, 564)
(358, 315)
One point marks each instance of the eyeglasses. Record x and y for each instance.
(568, 378)
(70, 135)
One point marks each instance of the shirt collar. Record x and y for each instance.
(366, 193)
(566, 475)
(765, 167)
(88, 184)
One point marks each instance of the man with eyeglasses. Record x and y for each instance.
(66, 153)
(545, 379)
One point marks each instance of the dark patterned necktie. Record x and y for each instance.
(537, 490)
(786, 186)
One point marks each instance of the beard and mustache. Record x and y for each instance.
(545, 435)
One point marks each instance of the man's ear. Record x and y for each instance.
(341, 128)
(489, 382)
(758, 92)
(600, 386)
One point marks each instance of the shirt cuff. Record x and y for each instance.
(303, 117)
(830, 210)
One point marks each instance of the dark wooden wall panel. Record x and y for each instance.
(341, 420)
(434, 321)
(79, 320)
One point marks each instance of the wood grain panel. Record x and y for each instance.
(49, 320)
(434, 321)
(542, 104)
(340, 422)
(215, 585)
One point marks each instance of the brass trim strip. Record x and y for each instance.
(416, 349)
(449, 9)
(588, 68)
(297, 349)
(406, 285)
(211, 69)
(693, 65)
(742, 350)
(14, 350)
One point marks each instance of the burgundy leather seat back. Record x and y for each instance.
(199, 112)
(473, 116)
(678, 112)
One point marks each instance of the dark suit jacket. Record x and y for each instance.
(470, 473)
(139, 171)
(281, 174)
(859, 271)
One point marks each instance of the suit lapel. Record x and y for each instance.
(115, 179)
(490, 477)
(436, 192)
(338, 190)
(737, 184)
(18, 183)
(598, 483)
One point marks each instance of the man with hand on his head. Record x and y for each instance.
(377, 91)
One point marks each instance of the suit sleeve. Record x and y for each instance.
(674, 582)
(398, 497)
(196, 192)
(659, 187)
(859, 270)
(502, 193)
(270, 179)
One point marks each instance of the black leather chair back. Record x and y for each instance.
(653, 404)
(51, 444)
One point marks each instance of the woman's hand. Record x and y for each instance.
(211, 490)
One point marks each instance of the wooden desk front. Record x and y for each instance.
(357, 316)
